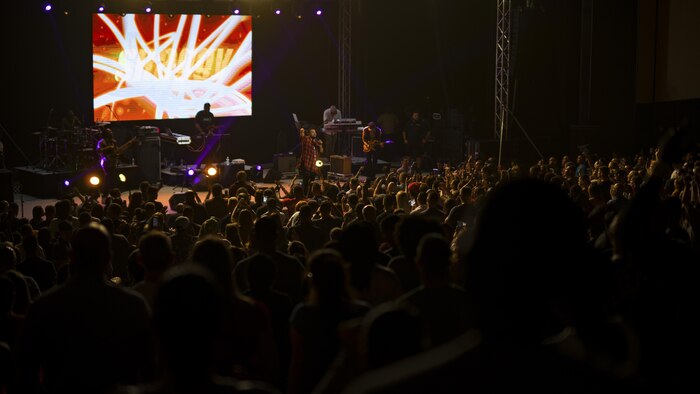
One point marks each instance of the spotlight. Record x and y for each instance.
(190, 172)
(148, 9)
(258, 168)
(66, 183)
(212, 171)
(319, 163)
(101, 8)
(48, 7)
(236, 11)
(122, 178)
(278, 11)
(319, 12)
(94, 181)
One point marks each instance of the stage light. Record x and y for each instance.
(319, 12)
(101, 8)
(319, 163)
(94, 181)
(236, 11)
(256, 173)
(278, 11)
(212, 171)
(66, 183)
(122, 178)
(48, 7)
(148, 9)
(190, 172)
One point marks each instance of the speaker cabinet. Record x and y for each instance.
(341, 165)
(285, 162)
(356, 146)
(272, 176)
(148, 159)
(6, 188)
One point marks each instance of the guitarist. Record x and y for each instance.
(371, 140)
(205, 123)
(109, 153)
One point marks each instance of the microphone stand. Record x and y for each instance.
(113, 114)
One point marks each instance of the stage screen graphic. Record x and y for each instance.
(148, 67)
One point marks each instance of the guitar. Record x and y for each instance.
(110, 153)
(200, 140)
(371, 146)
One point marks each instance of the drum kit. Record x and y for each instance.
(69, 150)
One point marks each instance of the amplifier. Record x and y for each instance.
(148, 159)
(341, 165)
(285, 162)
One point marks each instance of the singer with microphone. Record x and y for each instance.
(306, 165)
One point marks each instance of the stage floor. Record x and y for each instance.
(50, 183)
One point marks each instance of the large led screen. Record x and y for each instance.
(149, 67)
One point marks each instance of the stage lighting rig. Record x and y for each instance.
(211, 171)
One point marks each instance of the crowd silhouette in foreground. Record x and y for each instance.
(576, 274)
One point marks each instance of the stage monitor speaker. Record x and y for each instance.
(341, 165)
(148, 159)
(175, 199)
(227, 173)
(6, 188)
(272, 176)
(285, 162)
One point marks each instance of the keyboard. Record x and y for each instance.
(175, 138)
(347, 121)
(342, 127)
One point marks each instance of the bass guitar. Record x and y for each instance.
(110, 153)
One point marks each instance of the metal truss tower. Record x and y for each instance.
(345, 57)
(502, 85)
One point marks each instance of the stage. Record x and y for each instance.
(36, 186)
(46, 183)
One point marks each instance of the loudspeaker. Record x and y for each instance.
(285, 162)
(356, 146)
(341, 165)
(176, 198)
(148, 159)
(6, 189)
(272, 176)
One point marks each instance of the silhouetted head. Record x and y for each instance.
(327, 275)
(434, 254)
(91, 252)
(188, 314)
(156, 251)
(525, 259)
(213, 254)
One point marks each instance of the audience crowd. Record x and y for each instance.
(575, 274)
